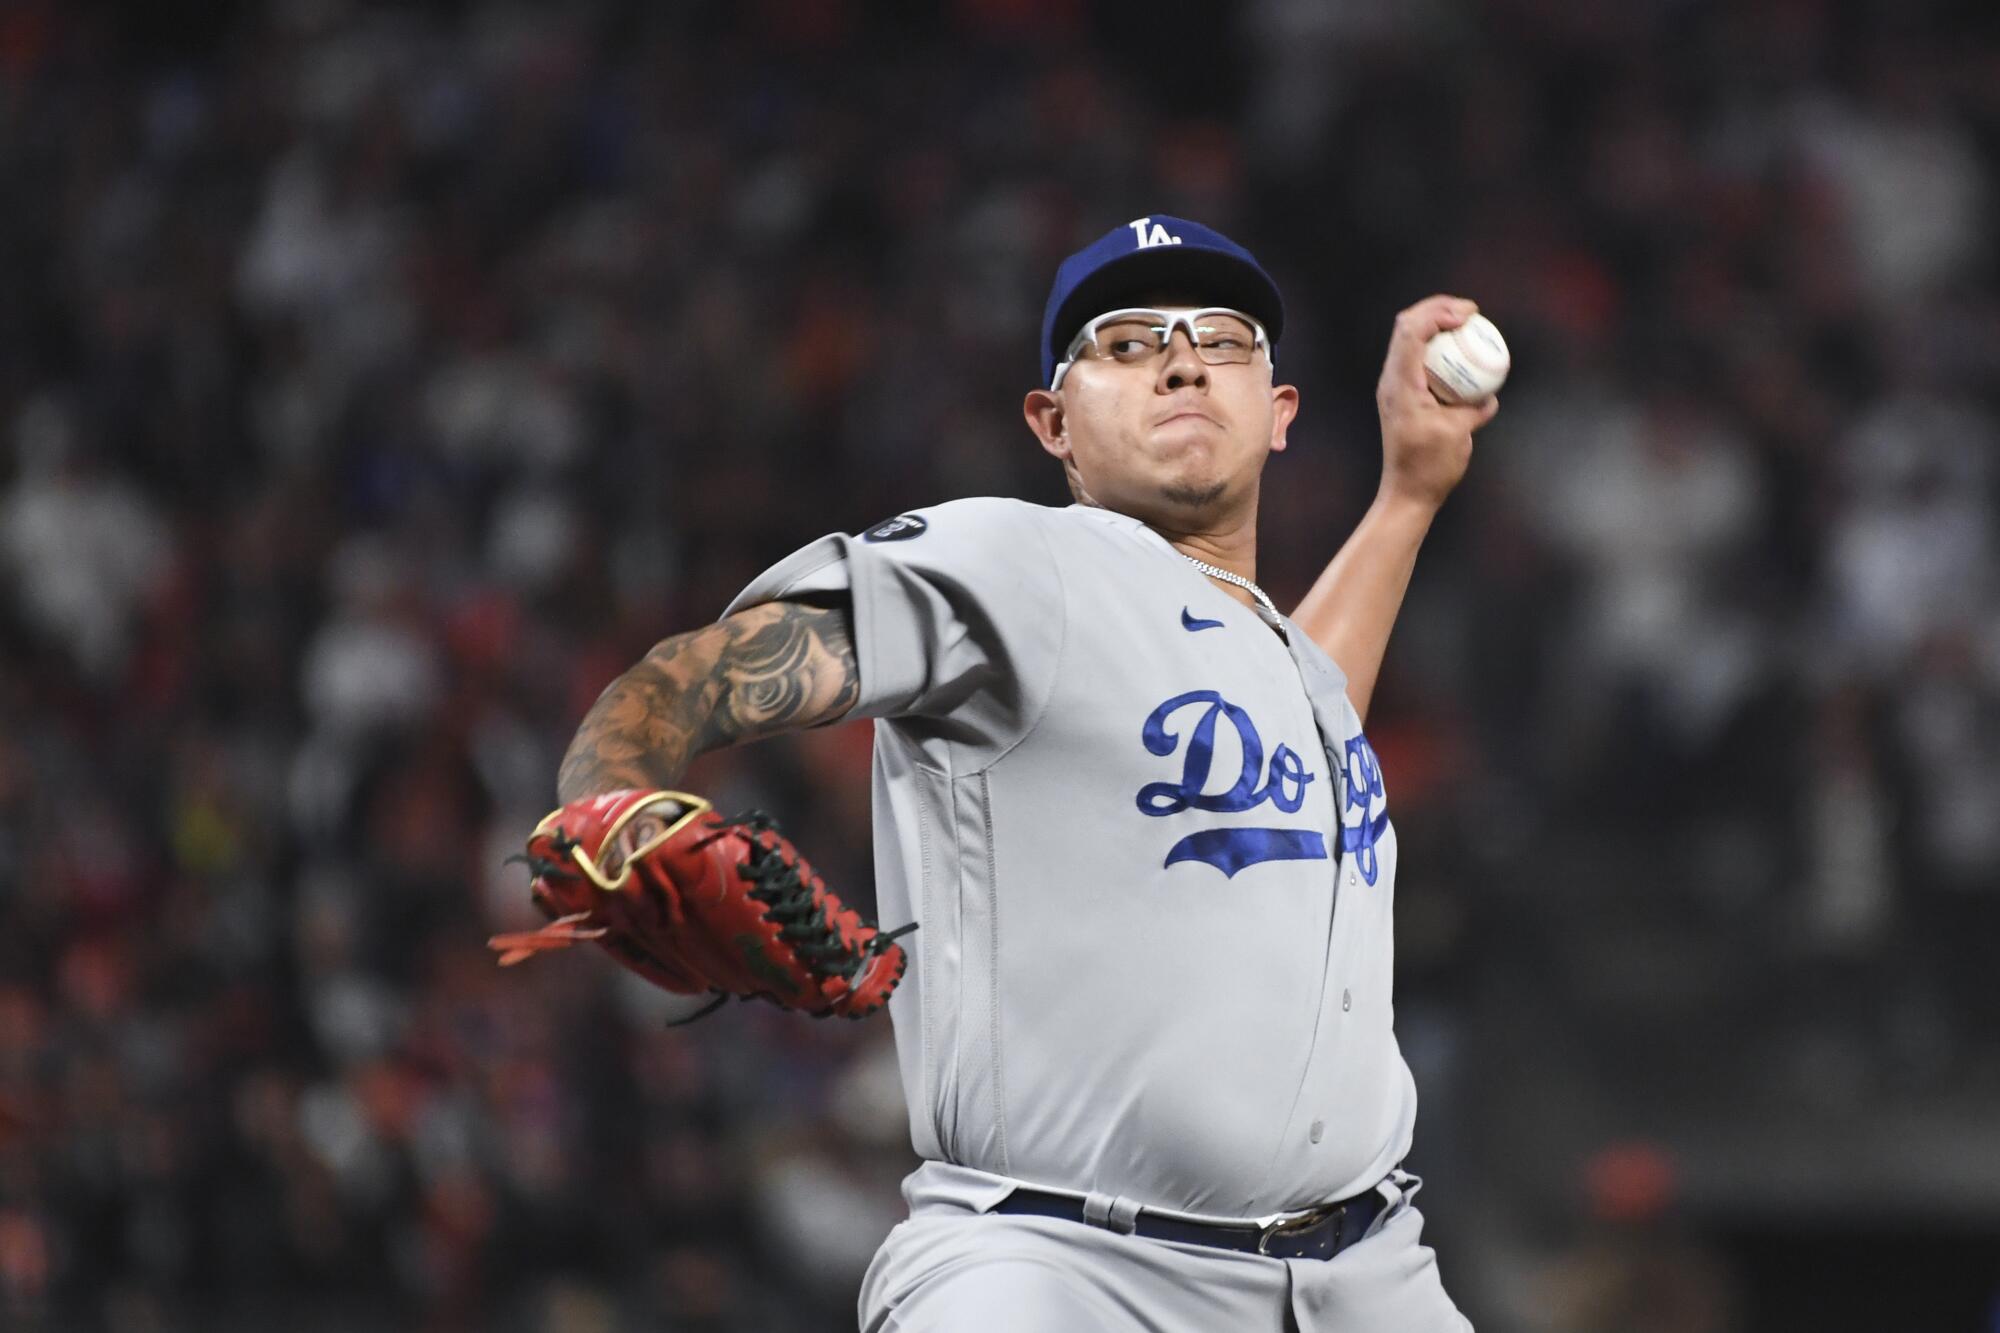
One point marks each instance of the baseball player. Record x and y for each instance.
(1144, 1021)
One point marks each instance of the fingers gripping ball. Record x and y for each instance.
(1467, 364)
(697, 903)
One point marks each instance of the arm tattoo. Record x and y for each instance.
(783, 666)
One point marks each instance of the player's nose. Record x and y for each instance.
(1180, 367)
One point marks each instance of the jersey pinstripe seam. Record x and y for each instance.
(993, 969)
(929, 978)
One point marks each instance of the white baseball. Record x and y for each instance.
(1467, 364)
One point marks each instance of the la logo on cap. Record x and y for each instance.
(1156, 236)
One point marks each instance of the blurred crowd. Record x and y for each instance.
(377, 382)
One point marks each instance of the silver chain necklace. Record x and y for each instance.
(1277, 621)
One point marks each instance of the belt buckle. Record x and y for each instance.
(1297, 1225)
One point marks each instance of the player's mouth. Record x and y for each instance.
(1186, 414)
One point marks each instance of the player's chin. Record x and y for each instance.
(1196, 485)
(1193, 496)
(1198, 480)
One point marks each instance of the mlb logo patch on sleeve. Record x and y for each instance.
(898, 529)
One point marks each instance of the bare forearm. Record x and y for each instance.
(779, 667)
(1426, 447)
(1353, 605)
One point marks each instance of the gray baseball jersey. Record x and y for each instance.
(1148, 849)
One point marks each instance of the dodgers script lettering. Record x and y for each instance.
(1282, 783)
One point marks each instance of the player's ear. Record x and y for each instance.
(1044, 412)
(1284, 408)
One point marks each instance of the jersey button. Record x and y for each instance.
(1346, 1001)
(1318, 1130)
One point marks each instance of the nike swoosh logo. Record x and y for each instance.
(1190, 622)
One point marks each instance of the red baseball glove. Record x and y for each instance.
(696, 903)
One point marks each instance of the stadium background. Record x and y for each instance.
(377, 382)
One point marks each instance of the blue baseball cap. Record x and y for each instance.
(1146, 255)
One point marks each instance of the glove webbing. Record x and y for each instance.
(789, 901)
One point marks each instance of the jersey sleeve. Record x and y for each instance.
(958, 613)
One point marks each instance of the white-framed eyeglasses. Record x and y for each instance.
(1133, 336)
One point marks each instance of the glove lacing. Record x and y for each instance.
(801, 915)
